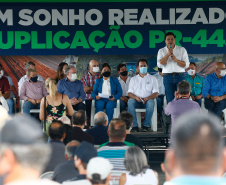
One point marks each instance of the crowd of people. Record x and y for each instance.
(79, 154)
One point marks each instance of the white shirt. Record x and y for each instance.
(143, 87)
(106, 87)
(25, 78)
(34, 182)
(4, 103)
(171, 66)
(125, 86)
(78, 182)
(160, 83)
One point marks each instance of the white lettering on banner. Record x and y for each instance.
(7, 16)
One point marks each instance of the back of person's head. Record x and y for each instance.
(98, 170)
(29, 70)
(27, 65)
(50, 84)
(127, 118)
(57, 130)
(65, 120)
(22, 141)
(117, 129)
(184, 87)
(68, 149)
(100, 118)
(79, 118)
(197, 143)
(135, 161)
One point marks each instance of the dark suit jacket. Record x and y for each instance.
(79, 135)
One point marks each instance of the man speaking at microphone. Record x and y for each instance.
(173, 60)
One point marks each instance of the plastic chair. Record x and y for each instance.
(31, 111)
(93, 110)
(153, 119)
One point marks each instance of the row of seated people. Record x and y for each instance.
(189, 160)
(136, 92)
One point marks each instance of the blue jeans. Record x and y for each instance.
(11, 106)
(123, 105)
(160, 100)
(149, 105)
(106, 104)
(199, 101)
(27, 106)
(215, 108)
(170, 82)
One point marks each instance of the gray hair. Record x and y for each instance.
(135, 161)
(30, 70)
(184, 87)
(196, 139)
(27, 65)
(68, 68)
(100, 118)
(35, 156)
(68, 147)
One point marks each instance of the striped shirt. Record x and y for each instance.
(115, 153)
(89, 81)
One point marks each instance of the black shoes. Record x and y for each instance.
(134, 129)
(146, 129)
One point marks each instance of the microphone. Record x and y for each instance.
(170, 46)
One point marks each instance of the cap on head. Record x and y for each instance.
(85, 151)
(21, 130)
(99, 165)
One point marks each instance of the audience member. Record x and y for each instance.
(138, 169)
(124, 80)
(181, 103)
(23, 156)
(197, 155)
(25, 78)
(128, 119)
(115, 150)
(78, 124)
(73, 88)
(99, 131)
(10, 101)
(88, 81)
(61, 71)
(196, 82)
(82, 156)
(161, 95)
(99, 171)
(106, 92)
(214, 90)
(143, 89)
(173, 60)
(67, 124)
(32, 91)
(163, 166)
(57, 105)
(57, 135)
(66, 170)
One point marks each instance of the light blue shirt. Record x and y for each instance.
(160, 83)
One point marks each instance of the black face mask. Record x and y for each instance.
(124, 73)
(106, 74)
(34, 79)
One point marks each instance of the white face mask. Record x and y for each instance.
(96, 69)
(73, 77)
(1, 73)
(223, 73)
(191, 72)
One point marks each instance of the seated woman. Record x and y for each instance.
(106, 92)
(57, 105)
(137, 166)
(60, 71)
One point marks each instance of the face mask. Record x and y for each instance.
(106, 74)
(1, 73)
(124, 73)
(191, 72)
(223, 73)
(143, 70)
(34, 79)
(73, 77)
(96, 69)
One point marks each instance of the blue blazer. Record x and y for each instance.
(116, 88)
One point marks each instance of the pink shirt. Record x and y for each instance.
(35, 90)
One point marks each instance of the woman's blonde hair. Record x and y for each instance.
(51, 84)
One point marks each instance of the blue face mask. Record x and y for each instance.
(143, 70)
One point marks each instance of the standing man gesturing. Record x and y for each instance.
(173, 60)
